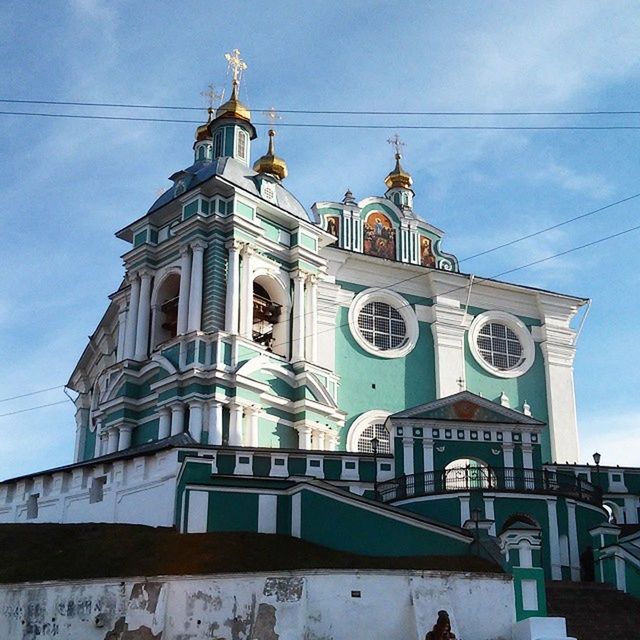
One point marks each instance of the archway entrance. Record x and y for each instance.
(166, 310)
(270, 321)
(468, 473)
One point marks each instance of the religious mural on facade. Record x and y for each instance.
(379, 236)
(427, 259)
(333, 226)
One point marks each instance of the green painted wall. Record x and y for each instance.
(232, 511)
(354, 529)
(214, 285)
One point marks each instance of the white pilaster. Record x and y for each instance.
(122, 331)
(246, 293)
(195, 419)
(132, 317)
(164, 423)
(124, 436)
(235, 424)
(233, 295)
(490, 514)
(254, 415)
(554, 539)
(112, 440)
(427, 448)
(448, 331)
(407, 448)
(312, 319)
(215, 423)
(97, 451)
(195, 290)
(574, 553)
(82, 426)
(177, 418)
(320, 440)
(465, 511)
(144, 311)
(304, 437)
(298, 338)
(185, 285)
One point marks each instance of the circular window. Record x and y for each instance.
(501, 344)
(383, 323)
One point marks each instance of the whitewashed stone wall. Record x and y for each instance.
(318, 605)
(138, 490)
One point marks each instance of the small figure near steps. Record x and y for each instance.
(442, 628)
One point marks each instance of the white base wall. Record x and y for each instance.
(316, 605)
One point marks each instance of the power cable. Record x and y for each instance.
(41, 406)
(350, 112)
(325, 125)
(32, 393)
(490, 278)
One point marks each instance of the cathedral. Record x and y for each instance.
(329, 374)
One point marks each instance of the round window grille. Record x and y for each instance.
(382, 326)
(375, 430)
(500, 346)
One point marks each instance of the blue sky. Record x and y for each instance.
(67, 185)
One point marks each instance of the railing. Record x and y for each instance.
(477, 478)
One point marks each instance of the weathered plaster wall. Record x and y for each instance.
(321, 605)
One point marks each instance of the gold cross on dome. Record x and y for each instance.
(237, 64)
(397, 143)
(212, 96)
(273, 115)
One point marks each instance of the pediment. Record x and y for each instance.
(466, 407)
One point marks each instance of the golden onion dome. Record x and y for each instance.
(270, 163)
(233, 108)
(398, 178)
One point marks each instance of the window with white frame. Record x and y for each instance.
(374, 430)
(383, 323)
(218, 144)
(241, 150)
(501, 344)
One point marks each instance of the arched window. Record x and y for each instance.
(166, 309)
(467, 474)
(270, 315)
(613, 512)
(365, 428)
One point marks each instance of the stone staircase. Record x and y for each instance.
(594, 611)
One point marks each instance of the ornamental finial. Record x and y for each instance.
(397, 144)
(236, 64)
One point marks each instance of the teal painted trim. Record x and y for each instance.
(144, 433)
(244, 210)
(307, 241)
(232, 511)
(89, 444)
(190, 209)
(378, 206)
(214, 293)
(140, 238)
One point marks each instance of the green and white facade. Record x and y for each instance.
(254, 349)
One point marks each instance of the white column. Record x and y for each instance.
(465, 512)
(448, 340)
(233, 279)
(97, 451)
(82, 426)
(177, 418)
(104, 443)
(561, 402)
(164, 423)
(312, 319)
(554, 539)
(185, 285)
(235, 424)
(195, 291)
(254, 415)
(144, 310)
(320, 439)
(246, 293)
(427, 448)
(122, 331)
(304, 438)
(507, 456)
(132, 317)
(490, 514)
(124, 437)
(298, 338)
(112, 440)
(407, 447)
(333, 441)
(195, 420)
(215, 423)
(527, 456)
(574, 553)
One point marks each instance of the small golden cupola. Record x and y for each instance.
(270, 163)
(398, 180)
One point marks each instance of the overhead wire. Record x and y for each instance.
(32, 393)
(41, 406)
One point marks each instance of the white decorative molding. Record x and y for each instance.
(375, 416)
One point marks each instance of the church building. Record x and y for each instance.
(330, 374)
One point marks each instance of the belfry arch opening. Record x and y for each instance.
(166, 310)
(468, 473)
(269, 325)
